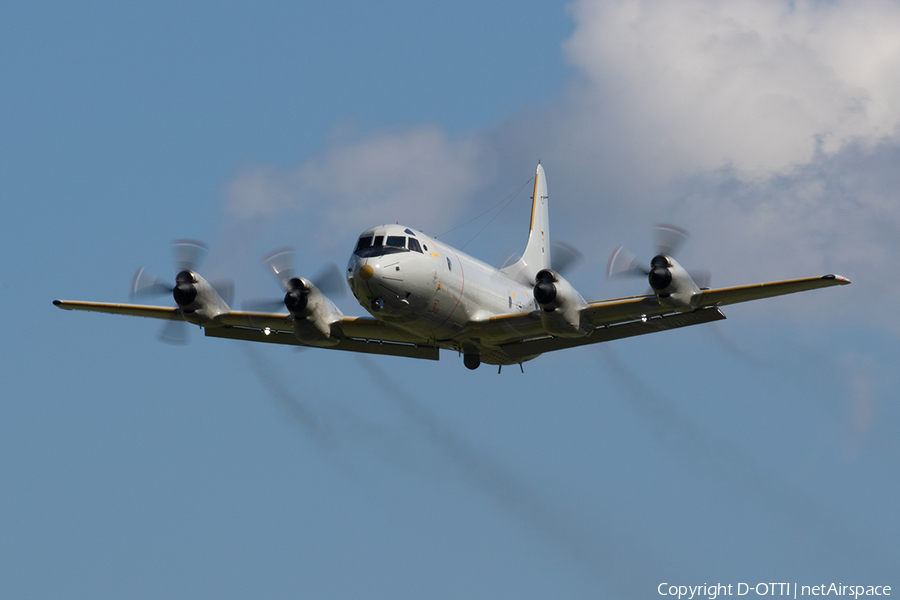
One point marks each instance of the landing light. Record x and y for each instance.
(267, 331)
(643, 318)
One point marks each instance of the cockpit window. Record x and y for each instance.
(376, 246)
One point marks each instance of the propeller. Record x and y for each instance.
(329, 280)
(565, 258)
(669, 238)
(186, 255)
(668, 241)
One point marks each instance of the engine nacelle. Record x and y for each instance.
(560, 303)
(313, 313)
(198, 300)
(672, 284)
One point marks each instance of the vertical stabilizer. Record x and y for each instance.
(537, 250)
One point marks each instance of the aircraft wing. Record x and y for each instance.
(745, 293)
(134, 310)
(522, 335)
(356, 334)
(607, 312)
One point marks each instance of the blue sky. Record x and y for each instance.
(762, 448)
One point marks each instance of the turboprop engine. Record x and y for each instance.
(313, 312)
(672, 284)
(198, 300)
(560, 304)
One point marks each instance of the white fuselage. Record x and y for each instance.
(403, 276)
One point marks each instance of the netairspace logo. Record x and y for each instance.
(770, 589)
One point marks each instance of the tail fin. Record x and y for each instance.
(537, 250)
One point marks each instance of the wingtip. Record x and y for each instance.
(841, 280)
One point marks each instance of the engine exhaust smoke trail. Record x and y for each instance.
(802, 514)
(860, 401)
(603, 554)
(735, 349)
(297, 409)
(596, 549)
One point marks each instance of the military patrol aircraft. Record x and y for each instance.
(424, 296)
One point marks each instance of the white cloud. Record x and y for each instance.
(759, 85)
(416, 177)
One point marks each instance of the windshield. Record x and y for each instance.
(376, 246)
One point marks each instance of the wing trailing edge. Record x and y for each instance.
(408, 350)
(615, 332)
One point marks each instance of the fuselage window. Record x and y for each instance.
(364, 242)
(396, 241)
(414, 245)
(379, 241)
